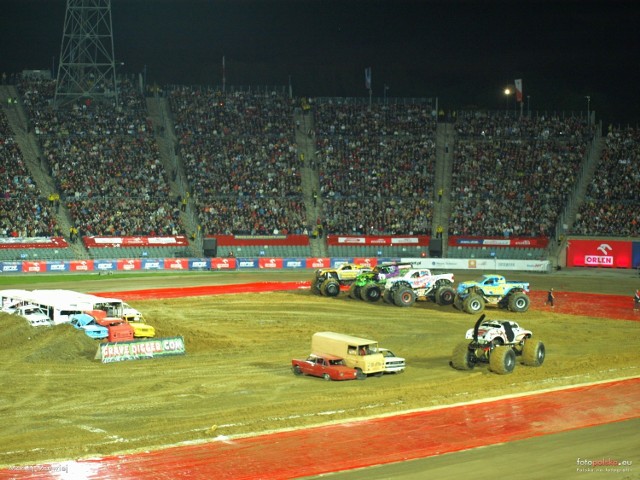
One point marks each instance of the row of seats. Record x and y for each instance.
(137, 252)
(23, 254)
(498, 252)
(377, 251)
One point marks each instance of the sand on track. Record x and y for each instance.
(60, 403)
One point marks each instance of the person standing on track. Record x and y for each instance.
(550, 298)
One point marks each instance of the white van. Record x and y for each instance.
(359, 353)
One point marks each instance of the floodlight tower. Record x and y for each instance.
(87, 67)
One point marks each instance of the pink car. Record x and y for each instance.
(328, 367)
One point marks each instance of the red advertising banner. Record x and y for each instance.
(240, 240)
(102, 242)
(176, 264)
(371, 262)
(270, 263)
(81, 266)
(318, 262)
(599, 253)
(129, 264)
(384, 240)
(34, 266)
(223, 263)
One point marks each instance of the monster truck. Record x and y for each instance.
(498, 343)
(471, 297)
(419, 284)
(369, 286)
(327, 281)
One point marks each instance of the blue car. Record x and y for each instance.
(85, 322)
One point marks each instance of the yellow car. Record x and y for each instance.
(141, 329)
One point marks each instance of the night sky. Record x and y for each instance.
(463, 52)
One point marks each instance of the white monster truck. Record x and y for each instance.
(419, 284)
(498, 343)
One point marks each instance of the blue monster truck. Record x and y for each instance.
(471, 297)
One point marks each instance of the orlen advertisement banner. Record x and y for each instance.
(176, 264)
(224, 263)
(599, 253)
(35, 266)
(370, 262)
(81, 266)
(318, 262)
(129, 264)
(270, 263)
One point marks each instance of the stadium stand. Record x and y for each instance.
(376, 165)
(612, 202)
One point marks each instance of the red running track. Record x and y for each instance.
(414, 435)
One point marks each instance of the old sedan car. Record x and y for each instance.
(87, 323)
(328, 367)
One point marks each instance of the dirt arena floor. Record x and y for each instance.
(60, 403)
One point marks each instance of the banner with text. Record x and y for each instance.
(599, 253)
(140, 349)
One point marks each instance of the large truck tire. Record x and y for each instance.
(473, 304)
(445, 295)
(330, 287)
(502, 360)
(371, 293)
(518, 302)
(461, 357)
(354, 291)
(533, 353)
(404, 297)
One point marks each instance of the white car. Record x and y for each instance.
(131, 314)
(392, 364)
(499, 332)
(35, 316)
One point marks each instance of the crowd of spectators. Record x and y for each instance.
(376, 165)
(241, 160)
(512, 176)
(612, 201)
(492, 125)
(104, 161)
(507, 188)
(24, 211)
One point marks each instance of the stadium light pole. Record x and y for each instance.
(507, 92)
(588, 97)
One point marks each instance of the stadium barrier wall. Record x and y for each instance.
(257, 263)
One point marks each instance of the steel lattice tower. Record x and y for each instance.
(87, 67)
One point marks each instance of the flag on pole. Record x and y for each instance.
(224, 75)
(519, 90)
(367, 78)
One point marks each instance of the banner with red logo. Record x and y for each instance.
(270, 263)
(129, 264)
(383, 240)
(81, 265)
(599, 253)
(223, 263)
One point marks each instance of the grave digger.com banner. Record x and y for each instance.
(140, 349)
